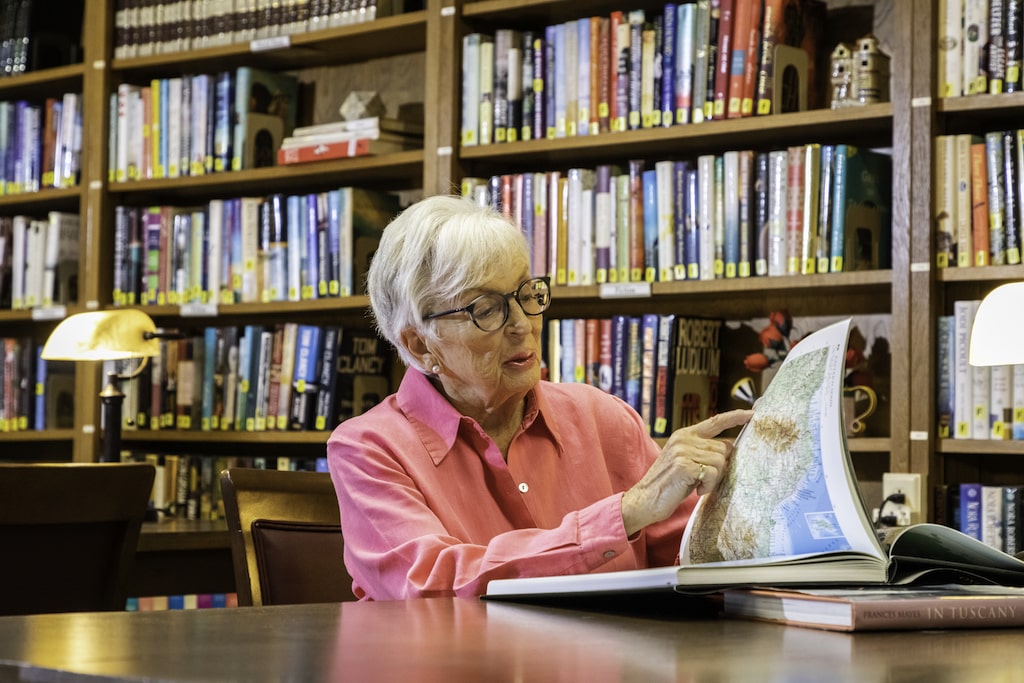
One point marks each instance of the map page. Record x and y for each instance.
(789, 490)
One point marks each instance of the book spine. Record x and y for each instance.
(668, 63)
(996, 198)
(963, 379)
(685, 49)
(970, 509)
(979, 205)
(770, 27)
(723, 56)
(778, 175)
(1011, 205)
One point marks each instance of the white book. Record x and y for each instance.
(949, 46)
(992, 516)
(583, 76)
(731, 212)
(963, 376)
(981, 393)
(1018, 402)
(19, 242)
(250, 223)
(706, 215)
(35, 266)
(200, 112)
(124, 130)
(778, 177)
(291, 331)
(486, 115)
(571, 82)
(61, 257)
(342, 205)
(975, 35)
(685, 28)
(1000, 424)
(587, 275)
(664, 172)
(963, 228)
(470, 89)
(196, 285)
(215, 251)
(718, 218)
(69, 150)
(514, 90)
(173, 127)
(573, 259)
(294, 205)
(604, 224)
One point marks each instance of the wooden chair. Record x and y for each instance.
(68, 534)
(286, 538)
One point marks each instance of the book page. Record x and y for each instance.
(789, 489)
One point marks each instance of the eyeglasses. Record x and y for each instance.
(489, 312)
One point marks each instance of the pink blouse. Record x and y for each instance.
(430, 508)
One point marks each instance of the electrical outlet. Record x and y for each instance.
(910, 485)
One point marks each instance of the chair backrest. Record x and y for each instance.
(69, 534)
(286, 538)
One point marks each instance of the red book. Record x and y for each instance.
(318, 151)
(979, 204)
(743, 14)
(723, 57)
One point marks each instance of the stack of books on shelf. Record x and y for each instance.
(249, 249)
(35, 394)
(688, 63)
(40, 144)
(168, 26)
(812, 208)
(357, 137)
(982, 402)
(196, 124)
(666, 367)
(187, 486)
(39, 34)
(978, 193)
(979, 47)
(991, 513)
(38, 260)
(257, 378)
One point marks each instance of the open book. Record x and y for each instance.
(788, 512)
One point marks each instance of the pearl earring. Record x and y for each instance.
(435, 368)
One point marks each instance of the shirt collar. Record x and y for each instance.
(437, 422)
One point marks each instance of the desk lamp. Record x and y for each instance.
(997, 337)
(120, 334)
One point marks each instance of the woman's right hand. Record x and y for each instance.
(693, 459)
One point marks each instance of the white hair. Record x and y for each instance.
(432, 252)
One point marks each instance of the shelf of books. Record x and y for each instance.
(976, 236)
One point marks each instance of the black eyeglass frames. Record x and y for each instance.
(489, 312)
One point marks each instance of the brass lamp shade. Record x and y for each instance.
(103, 335)
(997, 337)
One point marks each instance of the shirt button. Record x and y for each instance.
(609, 554)
(524, 487)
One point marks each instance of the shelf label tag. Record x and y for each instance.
(50, 313)
(625, 290)
(198, 310)
(271, 43)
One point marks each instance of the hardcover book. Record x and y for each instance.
(264, 114)
(787, 511)
(880, 609)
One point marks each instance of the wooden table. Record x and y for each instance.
(446, 641)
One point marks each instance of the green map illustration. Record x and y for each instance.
(773, 500)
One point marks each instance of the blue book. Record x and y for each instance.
(970, 509)
(692, 226)
(668, 64)
(40, 391)
(310, 285)
(222, 133)
(567, 344)
(944, 403)
(620, 337)
(684, 54)
(294, 204)
(634, 352)
(210, 339)
(650, 199)
(583, 71)
(305, 376)
(335, 279)
(231, 255)
(558, 84)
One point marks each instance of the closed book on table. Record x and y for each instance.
(880, 609)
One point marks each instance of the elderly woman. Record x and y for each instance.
(476, 469)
